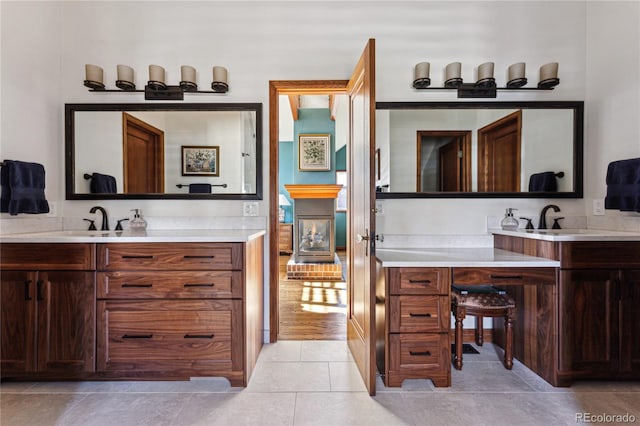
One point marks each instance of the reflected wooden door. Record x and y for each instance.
(143, 148)
(361, 222)
(499, 155)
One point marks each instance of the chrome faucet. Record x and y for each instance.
(543, 215)
(105, 219)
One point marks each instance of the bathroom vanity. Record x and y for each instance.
(576, 296)
(111, 305)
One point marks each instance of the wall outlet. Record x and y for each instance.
(379, 209)
(250, 209)
(53, 209)
(598, 207)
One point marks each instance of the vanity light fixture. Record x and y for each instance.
(485, 85)
(156, 87)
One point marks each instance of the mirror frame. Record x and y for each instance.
(69, 119)
(578, 146)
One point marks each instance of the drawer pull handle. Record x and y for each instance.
(199, 285)
(27, 291)
(199, 336)
(39, 294)
(125, 285)
(420, 281)
(427, 315)
(505, 277)
(133, 256)
(198, 257)
(137, 336)
(414, 353)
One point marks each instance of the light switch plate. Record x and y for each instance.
(53, 209)
(250, 209)
(598, 207)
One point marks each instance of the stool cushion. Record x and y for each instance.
(483, 300)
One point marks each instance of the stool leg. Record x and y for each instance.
(508, 346)
(479, 330)
(459, 315)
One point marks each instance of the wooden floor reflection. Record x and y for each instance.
(312, 310)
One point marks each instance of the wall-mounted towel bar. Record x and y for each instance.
(559, 174)
(180, 185)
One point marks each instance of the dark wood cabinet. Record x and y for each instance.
(179, 310)
(48, 316)
(412, 325)
(600, 323)
(598, 295)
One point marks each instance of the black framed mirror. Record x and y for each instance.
(526, 149)
(163, 151)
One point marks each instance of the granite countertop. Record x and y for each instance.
(149, 236)
(459, 257)
(570, 234)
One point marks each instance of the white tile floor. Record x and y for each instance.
(317, 383)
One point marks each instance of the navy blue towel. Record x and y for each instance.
(543, 182)
(22, 188)
(623, 185)
(103, 184)
(199, 188)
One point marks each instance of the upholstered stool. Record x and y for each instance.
(482, 301)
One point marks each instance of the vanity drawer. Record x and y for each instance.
(419, 281)
(169, 285)
(505, 276)
(600, 254)
(156, 335)
(419, 354)
(416, 314)
(181, 256)
(59, 256)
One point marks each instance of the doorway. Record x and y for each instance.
(360, 91)
(292, 301)
(444, 161)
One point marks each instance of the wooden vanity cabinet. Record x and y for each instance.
(600, 319)
(412, 325)
(48, 310)
(597, 298)
(180, 310)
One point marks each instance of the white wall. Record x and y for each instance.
(612, 101)
(262, 41)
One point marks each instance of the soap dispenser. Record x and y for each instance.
(137, 224)
(509, 223)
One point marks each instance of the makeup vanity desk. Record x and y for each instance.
(576, 300)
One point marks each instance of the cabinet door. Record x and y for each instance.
(17, 322)
(589, 321)
(66, 321)
(630, 322)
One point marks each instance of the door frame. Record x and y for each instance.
(277, 88)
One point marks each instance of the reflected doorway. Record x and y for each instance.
(444, 161)
(499, 154)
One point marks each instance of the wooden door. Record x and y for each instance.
(499, 155)
(450, 179)
(66, 321)
(630, 322)
(590, 323)
(143, 148)
(361, 220)
(17, 322)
